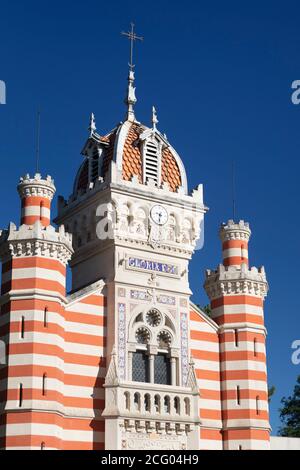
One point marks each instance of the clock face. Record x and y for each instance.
(159, 215)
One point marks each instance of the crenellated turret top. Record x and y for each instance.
(36, 186)
(235, 231)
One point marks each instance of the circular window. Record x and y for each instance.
(142, 335)
(164, 339)
(153, 317)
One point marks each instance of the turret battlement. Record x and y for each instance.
(36, 240)
(235, 231)
(36, 186)
(229, 280)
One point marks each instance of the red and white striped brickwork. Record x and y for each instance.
(237, 294)
(51, 387)
(36, 195)
(235, 243)
(204, 349)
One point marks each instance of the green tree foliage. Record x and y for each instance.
(271, 391)
(206, 309)
(290, 413)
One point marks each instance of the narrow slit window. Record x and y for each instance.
(20, 395)
(238, 395)
(257, 405)
(41, 210)
(22, 327)
(236, 338)
(45, 317)
(255, 347)
(44, 385)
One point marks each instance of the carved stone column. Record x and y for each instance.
(152, 351)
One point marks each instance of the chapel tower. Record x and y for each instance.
(126, 360)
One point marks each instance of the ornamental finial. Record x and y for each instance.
(154, 118)
(92, 126)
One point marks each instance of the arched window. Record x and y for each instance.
(43, 445)
(44, 384)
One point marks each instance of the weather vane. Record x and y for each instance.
(132, 37)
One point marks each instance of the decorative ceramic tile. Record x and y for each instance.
(139, 295)
(166, 299)
(184, 347)
(122, 340)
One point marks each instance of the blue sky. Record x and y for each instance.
(220, 75)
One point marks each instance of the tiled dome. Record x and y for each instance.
(125, 139)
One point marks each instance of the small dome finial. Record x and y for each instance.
(154, 118)
(130, 99)
(92, 126)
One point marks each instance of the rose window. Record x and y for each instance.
(142, 335)
(153, 317)
(164, 339)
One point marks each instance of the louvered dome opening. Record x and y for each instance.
(94, 166)
(151, 162)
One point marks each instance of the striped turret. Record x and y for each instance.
(36, 195)
(237, 294)
(32, 322)
(235, 239)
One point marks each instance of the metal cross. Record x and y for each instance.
(132, 37)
